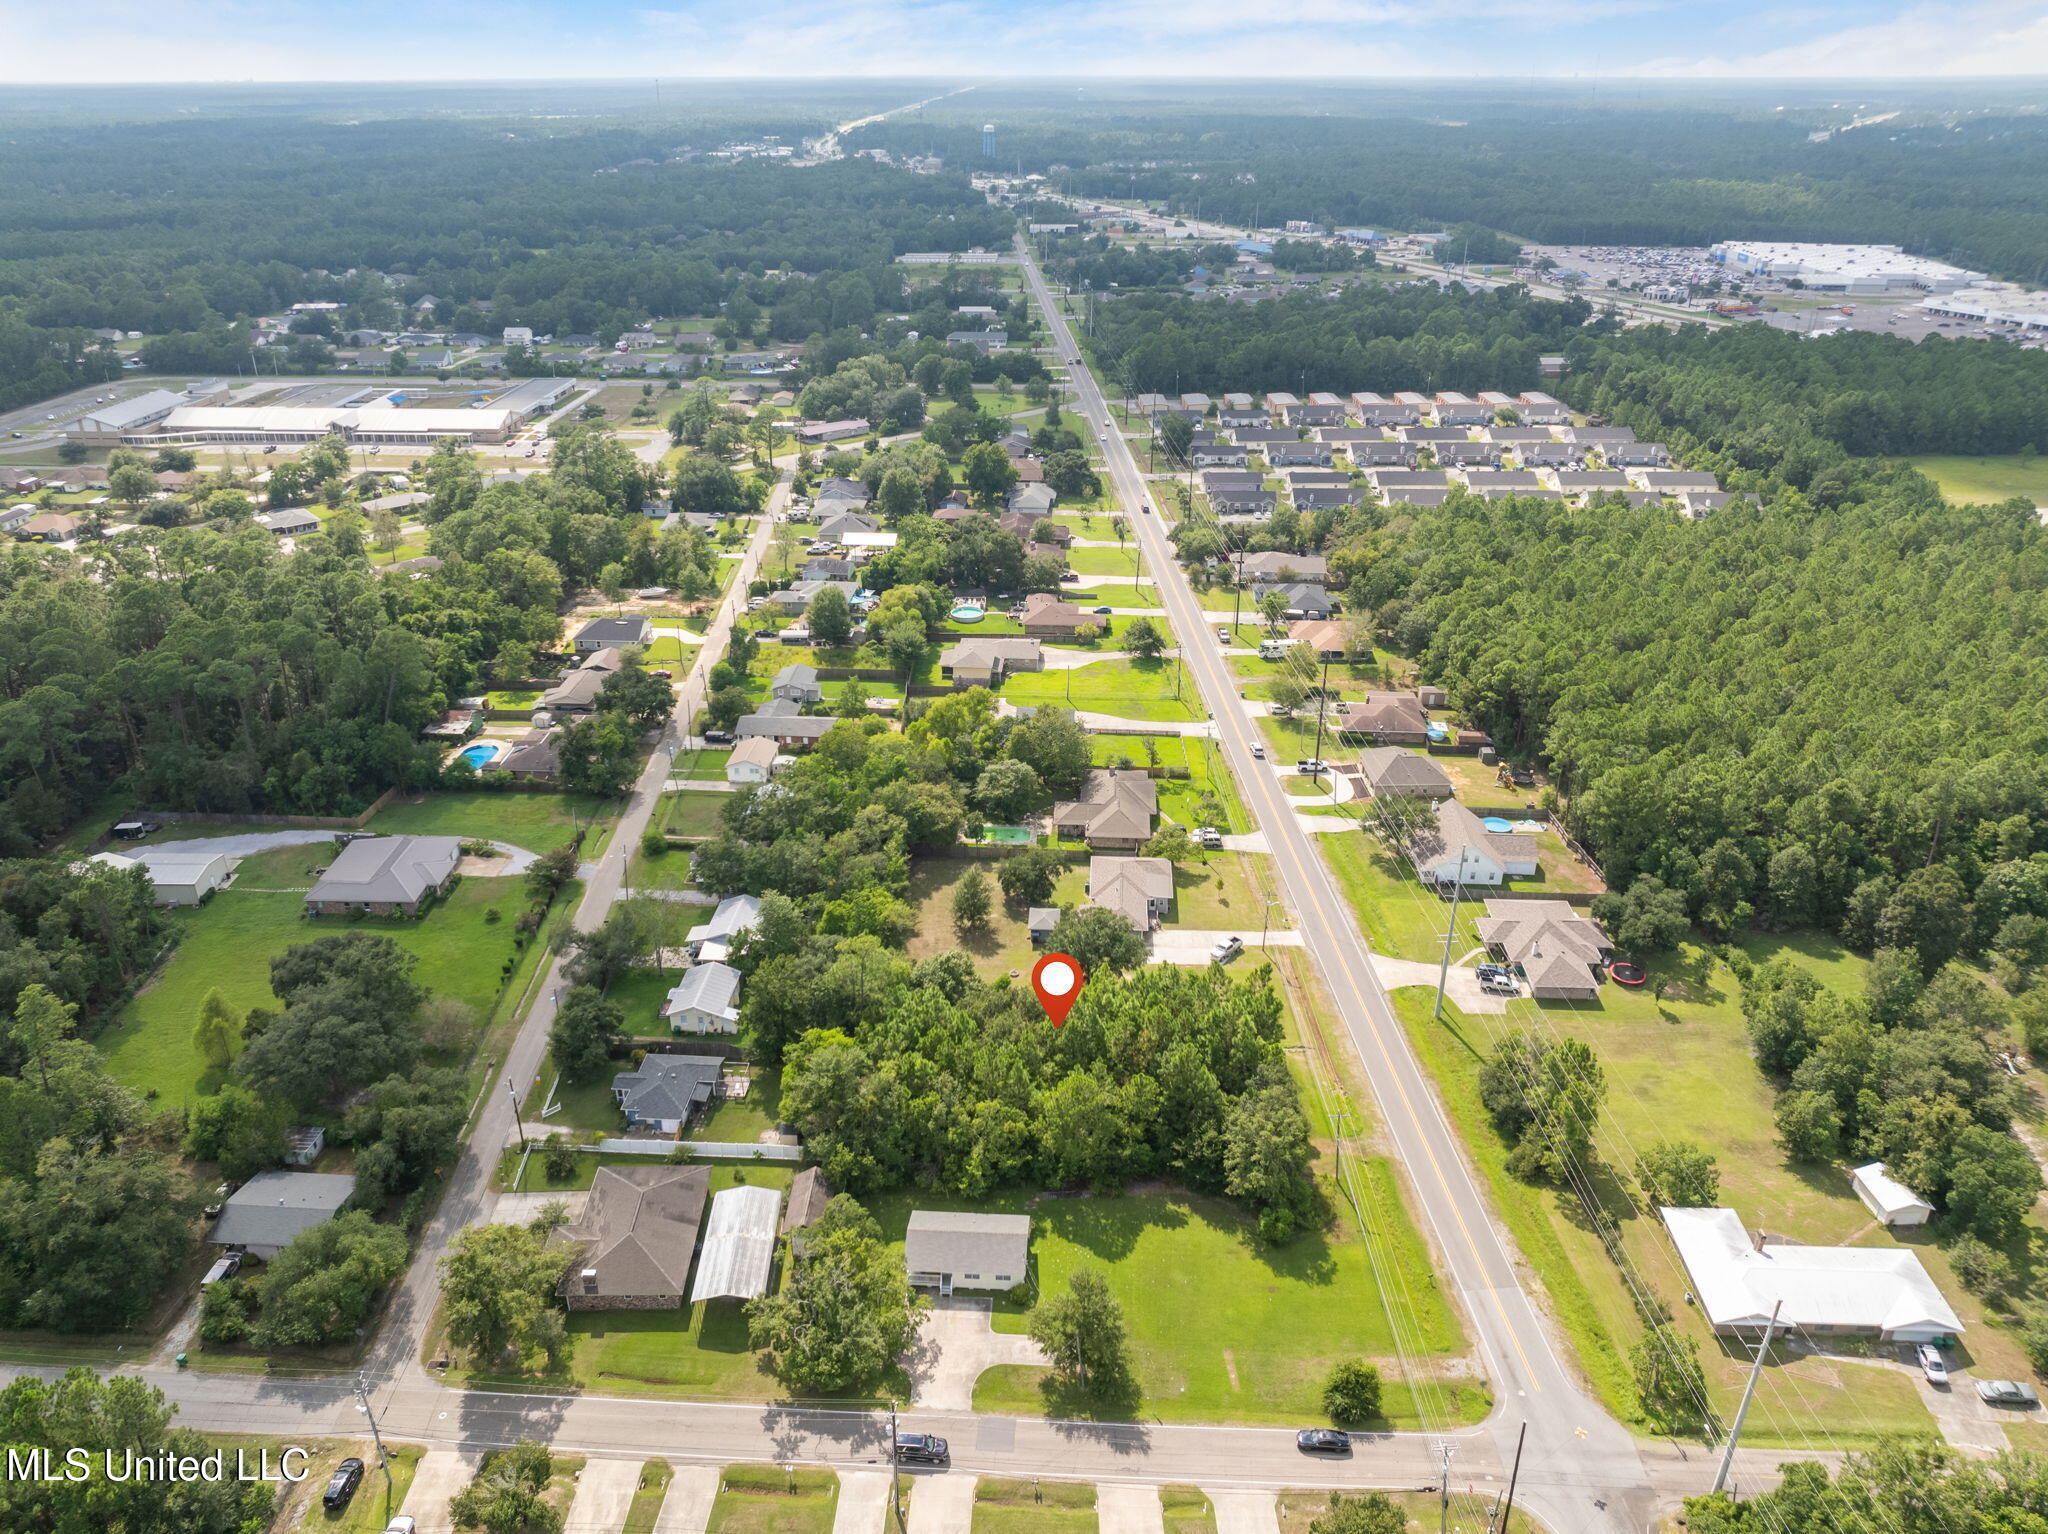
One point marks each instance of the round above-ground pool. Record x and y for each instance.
(481, 753)
(1497, 823)
(1439, 731)
(969, 612)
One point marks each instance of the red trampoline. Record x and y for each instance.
(1627, 972)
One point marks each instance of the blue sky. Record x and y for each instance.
(78, 41)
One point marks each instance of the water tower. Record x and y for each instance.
(988, 141)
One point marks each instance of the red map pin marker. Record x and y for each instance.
(1057, 980)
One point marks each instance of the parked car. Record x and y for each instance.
(1226, 950)
(718, 737)
(348, 1475)
(226, 1268)
(2008, 1393)
(1207, 836)
(921, 1449)
(402, 1524)
(1499, 985)
(1258, 752)
(1322, 1440)
(1100, 611)
(1490, 971)
(1933, 1367)
(1223, 636)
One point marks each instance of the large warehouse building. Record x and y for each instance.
(376, 423)
(1995, 303)
(1843, 268)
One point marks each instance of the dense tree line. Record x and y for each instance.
(1911, 1486)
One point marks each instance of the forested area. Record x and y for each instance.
(1680, 168)
(182, 230)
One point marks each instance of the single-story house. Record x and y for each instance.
(49, 527)
(385, 876)
(1390, 718)
(1115, 810)
(1049, 616)
(1397, 770)
(1303, 598)
(263, 1215)
(635, 1238)
(577, 691)
(1140, 890)
(705, 1000)
(1035, 500)
(1852, 1291)
(612, 633)
(1889, 1199)
(1271, 566)
(752, 760)
(986, 662)
(1244, 501)
(667, 1090)
(733, 915)
(1589, 481)
(1458, 849)
(833, 526)
(1039, 922)
(847, 492)
(1676, 481)
(826, 567)
(1635, 455)
(739, 1244)
(946, 1251)
(785, 729)
(291, 522)
(1559, 951)
(535, 756)
(830, 431)
(798, 683)
(1326, 635)
(1325, 497)
(184, 878)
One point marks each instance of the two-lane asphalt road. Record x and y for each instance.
(1523, 1360)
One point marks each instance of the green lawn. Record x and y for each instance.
(1996, 477)
(654, 1478)
(1223, 891)
(539, 822)
(1469, 1510)
(690, 813)
(1179, 798)
(227, 944)
(371, 1509)
(1000, 947)
(769, 1499)
(517, 699)
(1186, 1510)
(1152, 691)
(704, 765)
(1223, 1328)
(1109, 593)
(1125, 564)
(1090, 525)
(1033, 1507)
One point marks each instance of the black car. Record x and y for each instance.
(718, 737)
(921, 1449)
(348, 1475)
(1322, 1440)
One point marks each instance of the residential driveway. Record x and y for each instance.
(1244, 1512)
(1057, 659)
(953, 1346)
(1192, 945)
(241, 844)
(1125, 1509)
(1462, 987)
(863, 1502)
(942, 1504)
(701, 786)
(442, 1473)
(687, 1507)
(604, 1495)
(518, 1208)
(1253, 841)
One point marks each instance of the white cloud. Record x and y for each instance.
(1993, 37)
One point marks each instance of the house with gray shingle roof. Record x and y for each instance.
(1140, 890)
(944, 1250)
(271, 1208)
(1115, 810)
(798, 683)
(1392, 770)
(611, 633)
(385, 876)
(635, 1239)
(667, 1090)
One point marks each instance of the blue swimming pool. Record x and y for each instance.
(478, 755)
(1496, 823)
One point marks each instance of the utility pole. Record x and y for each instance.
(383, 1459)
(1755, 1372)
(895, 1468)
(1443, 1513)
(512, 1092)
(1322, 693)
(1508, 1511)
(1443, 973)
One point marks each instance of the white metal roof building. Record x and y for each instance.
(1890, 1200)
(1992, 304)
(1822, 1290)
(287, 424)
(109, 421)
(1843, 268)
(739, 1244)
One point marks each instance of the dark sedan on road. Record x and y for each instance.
(921, 1449)
(1322, 1440)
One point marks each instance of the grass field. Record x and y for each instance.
(539, 822)
(1124, 564)
(1113, 593)
(654, 1478)
(1186, 1511)
(1143, 690)
(767, 1499)
(1223, 1328)
(1033, 1507)
(1468, 1511)
(227, 945)
(690, 812)
(999, 948)
(1179, 798)
(1990, 478)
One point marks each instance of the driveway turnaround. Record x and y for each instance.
(863, 1502)
(1121, 1508)
(687, 1507)
(953, 1346)
(441, 1475)
(942, 1504)
(604, 1495)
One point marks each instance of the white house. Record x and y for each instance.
(705, 1000)
(1459, 849)
(1843, 1291)
(752, 760)
(1891, 1201)
(947, 1251)
(713, 940)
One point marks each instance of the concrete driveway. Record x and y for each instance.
(687, 1507)
(1192, 945)
(1121, 1508)
(1244, 1512)
(604, 1495)
(953, 1346)
(442, 1473)
(1462, 987)
(942, 1504)
(863, 1502)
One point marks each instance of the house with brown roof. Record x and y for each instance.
(1397, 770)
(1047, 615)
(986, 662)
(1115, 810)
(534, 757)
(808, 1196)
(576, 692)
(1140, 890)
(50, 527)
(1559, 952)
(635, 1239)
(1390, 718)
(1325, 634)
